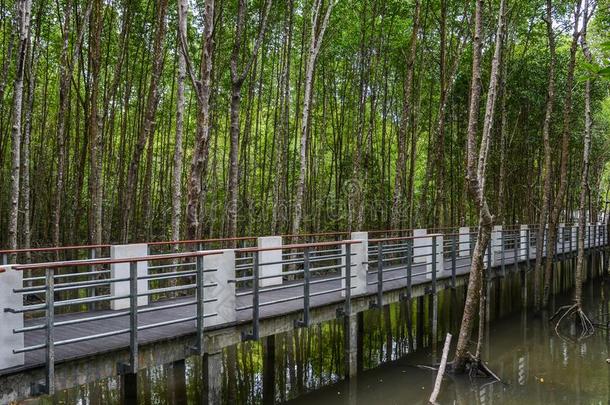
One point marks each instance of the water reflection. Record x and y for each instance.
(307, 365)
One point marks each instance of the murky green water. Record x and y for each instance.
(308, 364)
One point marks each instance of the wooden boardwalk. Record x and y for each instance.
(109, 344)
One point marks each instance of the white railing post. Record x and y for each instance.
(359, 261)
(219, 273)
(9, 341)
(464, 238)
(560, 238)
(121, 270)
(496, 244)
(270, 256)
(422, 247)
(523, 242)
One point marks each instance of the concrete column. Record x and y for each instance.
(212, 378)
(359, 263)
(121, 270)
(523, 242)
(496, 245)
(269, 370)
(560, 237)
(128, 384)
(421, 246)
(270, 256)
(223, 290)
(9, 280)
(464, 241)
(178, 383)
(353, 342)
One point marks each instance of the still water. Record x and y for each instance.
(535, 364)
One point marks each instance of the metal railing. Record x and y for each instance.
(277, 279)
(54, 284)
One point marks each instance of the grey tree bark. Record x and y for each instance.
(317, 35)
(237, 80)
(201, 86)
(24, 10)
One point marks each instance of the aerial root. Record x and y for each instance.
(564, 313)
(475, 368)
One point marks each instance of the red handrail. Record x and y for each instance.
(113, 261)
(297, 246)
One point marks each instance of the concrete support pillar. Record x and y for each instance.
(9, 341)
(359, 263)
(523, 232)
(422, 250)
(269, 370)
(353, 343)
(270, 256)
(212, 378)
(219, 269)
(496, 245)
(121, 270)
(421, 246)
(178, 383)
(128, 385)
(464, 241)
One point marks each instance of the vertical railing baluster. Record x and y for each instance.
(516, 248)
(409, 268)
(255, 296)
(348, 280)
(527, 246)
(502, 241)
(563, 243)
(50, 331)
(306, 290)
(92, 256)
(488, 256)
(571, 244)
(453, 259)
(434, 264)
(133, 317)
(200, 306)
(379, 275)
(4, 259)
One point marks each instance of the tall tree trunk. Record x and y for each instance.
(407, 109)
(283, 138)
(584, 179)
(176, 181)
(546, 129)
(201, 86)
(24, 14)
(317, 35)
(558, 203)
(95, 135)
(237, 80)
(476, 177)
(149, 119)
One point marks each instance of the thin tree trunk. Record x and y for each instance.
(317, 35)
(407, 110)
(178, 148)
(476, 176)
(237, 81)
(24, 15)
(202, 90)
(546, 128)
(148, 127)
(584, 180)
(95, 136)
(563, 169)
